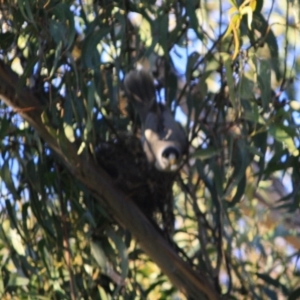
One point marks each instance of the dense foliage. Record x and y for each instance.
(228, 69)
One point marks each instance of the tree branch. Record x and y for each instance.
(124, 211)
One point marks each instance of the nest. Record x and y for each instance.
(125, 161)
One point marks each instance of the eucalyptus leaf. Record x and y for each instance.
(283, 134)
(6, 176)
(16, 280)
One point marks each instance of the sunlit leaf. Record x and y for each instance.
(1, 286)
(191, 12)
(99, 255)
(122, 250)
(69, 132)
(249, 12)
(230, 213)
(16, 280)
(90, 55)
(241, 186)
(282, 134)
(295, 105)
(102, 293)
(16, 242)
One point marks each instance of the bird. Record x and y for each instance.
(163, 139)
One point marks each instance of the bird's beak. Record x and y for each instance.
(172, 160)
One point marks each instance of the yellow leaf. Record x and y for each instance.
(236, 43)
(295, 105)
(46, 122)
(233, 25)
(17, 242)
(69, 132)
(233, 2)
(16, 66)
(253, 4)
(81, 148)
(249, 12)
(233, 11)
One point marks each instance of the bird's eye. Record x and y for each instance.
(171, 153)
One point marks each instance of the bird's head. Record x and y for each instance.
(169, 159)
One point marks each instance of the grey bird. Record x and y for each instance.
(164, 140)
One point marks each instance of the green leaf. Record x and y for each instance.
(62, 28)
(57, 57)
(24, 7)
(230, 83)
(11, 213)
(68, 119)
(264, 82)
(2, 289)
(99, 255)
(27, 73)
(16, 280)
(74, 109)
(240, 161)
(4, 126)
(57, 31)
(191, 12)
(41, 213)
(162, 24)
(6, 40)
(90, 55)
(246, 88)
(260, 143)
(44, 255)
(7, 178)
(205, 153)
(261, 25)
(102, 294)
(283, 134)
(25, 218)
(17, 242)
(122, 250)
(239, 193)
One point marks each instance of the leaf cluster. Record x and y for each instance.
(235, 202)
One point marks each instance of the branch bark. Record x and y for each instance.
(124, 211)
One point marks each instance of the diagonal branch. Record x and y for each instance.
(101, 185)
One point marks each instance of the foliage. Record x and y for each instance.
(233, 84)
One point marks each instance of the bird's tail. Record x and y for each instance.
(140, 88)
